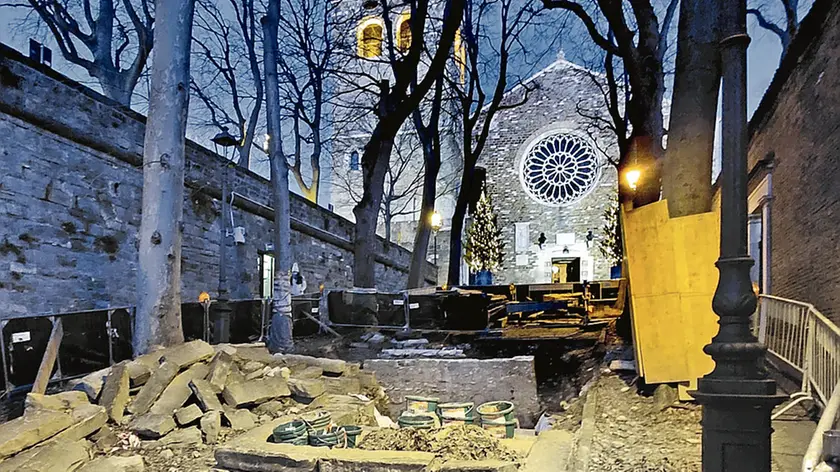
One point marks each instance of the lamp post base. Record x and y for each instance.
(736, 423)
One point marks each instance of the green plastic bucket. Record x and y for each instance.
(417, 420)
(456, 410)
(416, 404)
(448, 420)
(352, 433)
(496, 412)
(317, 421)
(293, 432)
(500, 430)
(335, 438)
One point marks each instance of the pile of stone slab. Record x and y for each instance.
(179, 397)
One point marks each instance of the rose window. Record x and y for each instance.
(559, 169)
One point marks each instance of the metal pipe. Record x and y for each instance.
(813, 455)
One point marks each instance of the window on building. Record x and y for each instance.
(370, 38)
(404, 34)
(266, 264)
(559, 168)
(354, 160)
(460, 55)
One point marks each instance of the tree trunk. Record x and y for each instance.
(420, 250)
(687, 167)
(457, 231)
(280, 333)
(375, 161)
(158, 317)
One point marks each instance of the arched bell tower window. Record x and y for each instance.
(369, 38)
(404, 33)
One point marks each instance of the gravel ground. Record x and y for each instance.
(631, 434)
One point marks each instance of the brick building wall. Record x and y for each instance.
(70, 196)
(797, 127)
(558, 94)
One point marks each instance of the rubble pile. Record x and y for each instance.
(181, 397)
(454, 442)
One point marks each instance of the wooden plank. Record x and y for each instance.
(48, 361)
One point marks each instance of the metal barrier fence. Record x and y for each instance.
(798, 335)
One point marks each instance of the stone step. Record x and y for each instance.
(551, 451)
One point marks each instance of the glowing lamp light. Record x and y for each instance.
(437, 221)
(203, 297)
(266, 141)
(632, 176)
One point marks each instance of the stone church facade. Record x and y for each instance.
(550, 180)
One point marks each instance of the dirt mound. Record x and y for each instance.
(455, 442)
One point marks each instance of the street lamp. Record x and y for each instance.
(737, 396)
(437, 224)
(226, 141)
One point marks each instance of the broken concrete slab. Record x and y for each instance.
(252, 366)
(59, 402)
(87, 419)
(142, 367)
(91, 384)
(206, 395)
(188, 414)
(30, 429)
(187, 354)
(211, 424)
(353, 460)
(115, 464)
(367, 379)
(330, 366)
(307, 389)
(479, 466)
(180, 438)
(342, 385)
(115, 395)
(152, 426)
(178, 391)
(105, 438)
(272, 408)
(235, 376)
(252, 452)
(310, 372)
(255, 391)
(258, 354)
(219, 370)
(254, 375)
(156, 384)
(240, 420)
(59, 456)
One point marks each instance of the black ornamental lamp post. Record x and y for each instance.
(737, 397)
(221, 331)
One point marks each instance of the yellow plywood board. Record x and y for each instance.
(670, 264)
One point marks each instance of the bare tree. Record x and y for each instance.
(158, 318)
(784, 28)
(111, 41)
(313, 51)
(479, 98)
(395, 104)
(280, 334)
(429, 136)
(403, 182)
(641, 46)
(227, 77)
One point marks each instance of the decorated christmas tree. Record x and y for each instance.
(483, 249)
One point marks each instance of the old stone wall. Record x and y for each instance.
(560, 97)
(70, 196)
(797, 128)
